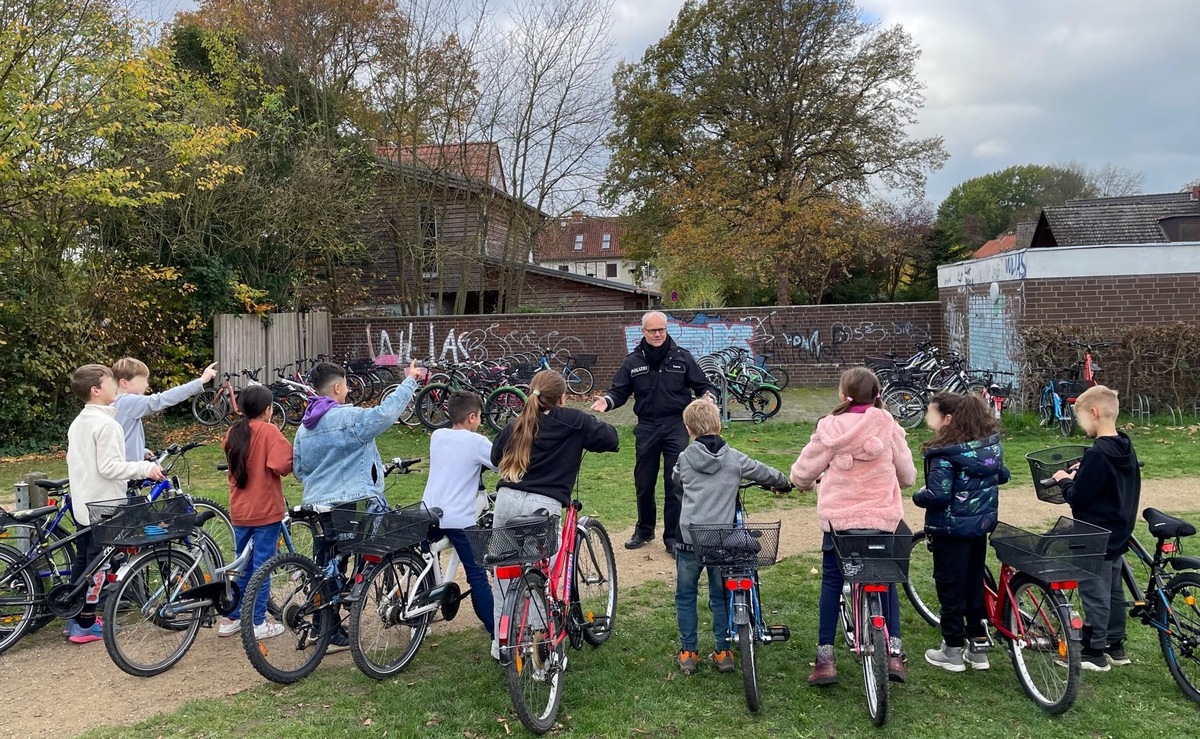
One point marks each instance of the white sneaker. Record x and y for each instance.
(228, 626)
(496, 651)
(267, 629)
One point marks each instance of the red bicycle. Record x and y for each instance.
(548, 604)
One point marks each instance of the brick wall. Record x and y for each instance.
(1112, 301)
(814, 343)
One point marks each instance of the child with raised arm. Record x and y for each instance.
(457, 457)
(133, 404)
(861, 456)
(709, 470)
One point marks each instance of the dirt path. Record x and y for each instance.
(59, 675)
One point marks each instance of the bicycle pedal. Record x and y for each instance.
(776, 633)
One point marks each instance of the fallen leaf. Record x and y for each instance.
(367, 722)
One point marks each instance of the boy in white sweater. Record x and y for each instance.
(98, 471)
(133, 404)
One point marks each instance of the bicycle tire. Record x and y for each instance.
(579, 380)
(138, 641)
(874, 659)
(765, 400)
(1045, 410)
(1047, 641)
(19, 590)
(595, 572)
(1066, 424)
(502, 406)
(55, 565)
(1182, 621)
(294, 405)
(531, 653)
(209, 408)
(746, 641)
(219, 529)
(278, 415)
(846, 617)
(431, 406)
(293, 581)
(381, 603)
(780, 377)
(906, 404)
(921, 591)
(303, 535)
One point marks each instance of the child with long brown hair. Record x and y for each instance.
(964, 469)
(538, 456)
(862, 458)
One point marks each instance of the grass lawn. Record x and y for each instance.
(630, 688)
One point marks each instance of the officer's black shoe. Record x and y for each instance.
(638, 541)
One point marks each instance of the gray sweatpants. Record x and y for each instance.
(1104, 614)
(510, 504)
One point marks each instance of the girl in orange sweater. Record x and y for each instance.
(259, 456)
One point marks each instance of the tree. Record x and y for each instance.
(762, 113)
(1115, 181)
(898, 235)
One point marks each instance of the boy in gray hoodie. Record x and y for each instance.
(709, 471)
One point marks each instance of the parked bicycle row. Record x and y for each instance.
(747, 379)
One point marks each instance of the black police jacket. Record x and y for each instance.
(659, 397)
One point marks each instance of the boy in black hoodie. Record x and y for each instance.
(1104, 491)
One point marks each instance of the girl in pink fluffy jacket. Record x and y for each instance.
(860, 455)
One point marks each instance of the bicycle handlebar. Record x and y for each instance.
(768, 488)
(401, 466)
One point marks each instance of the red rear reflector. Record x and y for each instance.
(1066, 585)
(731, 584)
(877, 621)
(111, 577)
(746, 584)
(510, 572)
(1168, 546)
(372, 558)
(358, 579)
(51, 501)
(875, 588)
(1076, 622)
(130, 550)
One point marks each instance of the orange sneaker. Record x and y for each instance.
(688, 662)
(723, 660)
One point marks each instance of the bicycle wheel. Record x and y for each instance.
(140, 639)
(303, 534)
(1179, 632)
(874, 656)
(382, 641)
(502, 407)
(278, 415)
(535, 668)
(1066, 424)
(431, 406)
(301, 594)
(920, 587)
(357, 389)
(219, 529)
(1045, 410)
(746, 641)
(906, 404)
(20, 589)
(53, 565)
(209, 407)
(1044, 656)
(595, 581)
(765, 400)
(579, 380)
(294, 405)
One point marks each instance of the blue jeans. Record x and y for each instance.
(687, 582)
(266, 540)
(477, 578)
(831, 597)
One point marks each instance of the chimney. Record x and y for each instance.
(1195, 193)
(577, 218)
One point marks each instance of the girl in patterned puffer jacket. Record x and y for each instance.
(964, 467)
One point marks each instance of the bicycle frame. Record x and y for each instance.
(857, 592)
(743, 603)
(998, 600)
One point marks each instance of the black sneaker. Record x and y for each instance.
(1094, 662)
(671, 550)
(638, 541)
(1116, 654)
(339, 640)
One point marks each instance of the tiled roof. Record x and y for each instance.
(476, 160)
(1025, 231)
(998, 245)
(570, 277)
(1127, 220)
(560, 242)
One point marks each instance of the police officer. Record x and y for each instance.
(663, 378)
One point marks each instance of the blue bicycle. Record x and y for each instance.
(579, 379)
(1057, 403)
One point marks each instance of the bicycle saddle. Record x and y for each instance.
(52, 484)
(32, 514)
(532, 519)
(1163, 526)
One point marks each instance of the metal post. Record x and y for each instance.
(724, 401)
(27, 496)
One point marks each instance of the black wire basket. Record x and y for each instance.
(513, 545)
(1071, 551)
(135, 521)
(725, 545)
(1045, 462)
(874, 557)
(361, 531)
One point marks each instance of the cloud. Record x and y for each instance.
(990, 149)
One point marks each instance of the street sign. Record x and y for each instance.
(674, 296)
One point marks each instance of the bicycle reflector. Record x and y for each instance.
(1076, 621)
(877, 622)
(372, 558)
(739, 584)
(1065, 585)
(875, 588)
(1168, 547)
(512, 572)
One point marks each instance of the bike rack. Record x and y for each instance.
(726, 415)
(1140, 407)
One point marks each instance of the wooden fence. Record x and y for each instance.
(251, 341)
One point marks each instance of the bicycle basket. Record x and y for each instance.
(514, 545)
(725, 545)
(1071, 551)
(1071, 389)
(874, 557)
(1045, 462)
(523, 373)
(136, 521)
(583, 361)
(361, 531)
(1001, 391)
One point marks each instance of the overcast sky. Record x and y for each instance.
(1024, 81)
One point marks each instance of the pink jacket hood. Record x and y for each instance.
(863, 461)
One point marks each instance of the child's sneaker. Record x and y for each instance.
(723, 660)
(1093, 661)
(949, 659)
(266, 630)
(688, 662)
(229, 626)
(977, 654)
(897, 672)
(339, 641)
(1116, 654)
(79, 635)
(825, 670)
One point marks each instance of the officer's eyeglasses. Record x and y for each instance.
(655, 330)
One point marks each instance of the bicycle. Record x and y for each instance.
(551, 601)
(212, 407)
(739, 551)
(993, 393)
(1057, 402)
(579, 379)
(500, 405)
(870, 562)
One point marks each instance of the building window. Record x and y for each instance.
(610, 270)
(578, 242)
(564, 268)
(606, 241)
(1189, 231)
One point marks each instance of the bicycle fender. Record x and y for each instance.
(1184, 563)
(1072, 617)
(510, 602)
(741, 610)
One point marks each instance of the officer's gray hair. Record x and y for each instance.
(647, 317)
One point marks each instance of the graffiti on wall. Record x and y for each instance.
(463, 346)
(982, 325)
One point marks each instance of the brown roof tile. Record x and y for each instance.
(560, 242)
